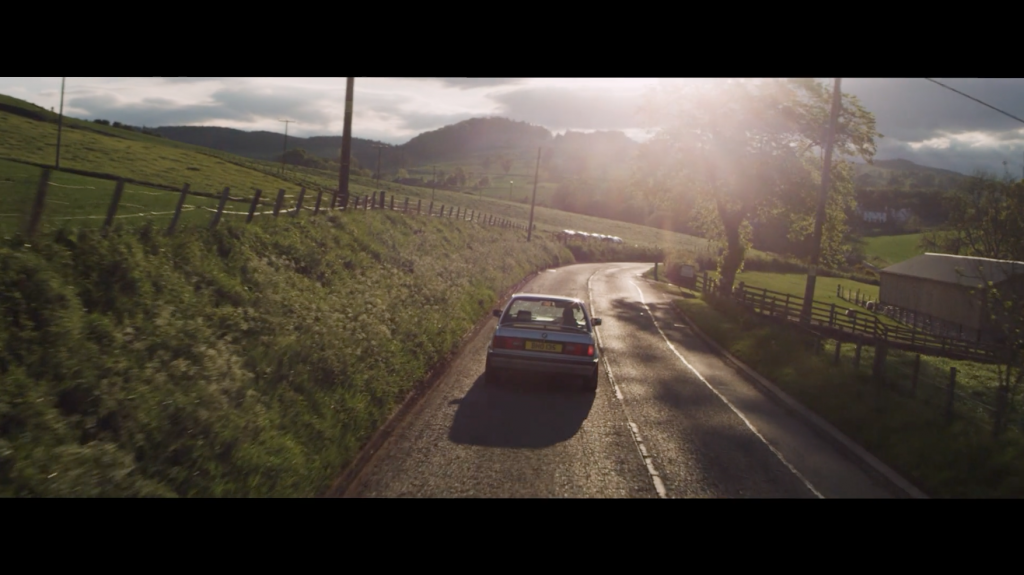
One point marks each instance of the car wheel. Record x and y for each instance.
(590, 383)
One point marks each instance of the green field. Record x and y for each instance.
(825, 289)
(883, 251)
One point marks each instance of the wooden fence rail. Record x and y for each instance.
(853, 324)
(277, 206)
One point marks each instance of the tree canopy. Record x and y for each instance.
(740, 150)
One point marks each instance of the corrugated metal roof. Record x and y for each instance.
(962, 270)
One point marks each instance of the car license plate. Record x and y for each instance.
(543, 346)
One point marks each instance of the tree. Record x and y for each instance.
(754, 148)
(506, 164)
(986, 219)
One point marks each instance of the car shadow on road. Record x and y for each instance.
(525, 411)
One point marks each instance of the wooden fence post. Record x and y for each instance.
(430, 210)
(177, 209)
(450, 210)
(298, 204)
(277, 204)
(252, 206)
(832, 316)
(366, 202)
(835, 359)
(37, 206)
(220, 208)
(114, 202)
(951, 394)
(319, 197)
(419, 206)
(373, 205)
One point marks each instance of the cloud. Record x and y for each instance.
(559, 108)
(235, 104)
(471, 83)
(189, 79)
(914, 109)
(308, 106)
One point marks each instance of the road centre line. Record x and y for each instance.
(726, 401)
(648, 460)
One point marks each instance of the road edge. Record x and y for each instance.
(828, 431)
(351, 474)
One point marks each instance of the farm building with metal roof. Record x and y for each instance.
(941, 292)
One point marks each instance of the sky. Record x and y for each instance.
(920, 121)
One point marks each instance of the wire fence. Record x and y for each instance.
(37, 200)
(963, 382)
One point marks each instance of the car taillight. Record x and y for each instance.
(578, 349)
(501, 342)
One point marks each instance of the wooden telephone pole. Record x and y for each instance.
(819, 222)
(346, 147)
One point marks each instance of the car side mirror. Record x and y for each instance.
(496, 313)
(597, 321)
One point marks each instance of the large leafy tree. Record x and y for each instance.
(747, 149)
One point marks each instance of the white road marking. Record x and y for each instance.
(659, 485)
(727, 402)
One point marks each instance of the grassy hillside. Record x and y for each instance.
(883, 251)
(153, 164)
(248, 361)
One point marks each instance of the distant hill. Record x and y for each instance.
(907, 165)
(479, 144)
(267, 145)
(903, 175)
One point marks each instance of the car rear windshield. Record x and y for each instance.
(546, 312)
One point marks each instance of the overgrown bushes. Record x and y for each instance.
(245, 361)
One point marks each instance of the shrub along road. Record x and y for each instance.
(672, 420)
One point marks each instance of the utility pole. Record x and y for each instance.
(510, 182)
(529, 230)
(346, 146)
(285, 151)
(60, 124)
(379, 147)
(819, 222)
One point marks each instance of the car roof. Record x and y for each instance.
(546, 296)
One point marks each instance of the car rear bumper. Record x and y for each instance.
(584, 366)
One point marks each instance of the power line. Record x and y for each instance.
(976, 100)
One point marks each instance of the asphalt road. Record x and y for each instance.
(669, 420)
